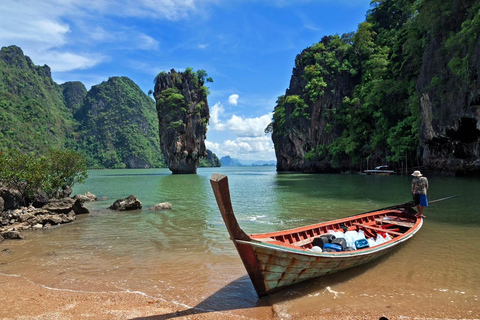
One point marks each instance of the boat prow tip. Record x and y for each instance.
(217, 177)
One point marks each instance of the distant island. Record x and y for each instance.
(227, 161)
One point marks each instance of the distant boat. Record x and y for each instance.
(380, 170)
(276, 260)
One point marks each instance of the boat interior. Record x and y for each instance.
(388, 224)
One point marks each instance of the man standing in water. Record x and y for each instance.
(419, 191)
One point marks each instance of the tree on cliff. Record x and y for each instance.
(183, 113)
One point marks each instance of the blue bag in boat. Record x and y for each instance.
(333, 246)
(361, 244)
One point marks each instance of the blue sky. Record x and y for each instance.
(248, 47)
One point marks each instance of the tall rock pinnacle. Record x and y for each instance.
(182, 107)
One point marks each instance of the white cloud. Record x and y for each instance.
(51, 31)
(248, 140)
(67, 61)
(215, 113)
(147, 42)
(244, 148)
(233, 99)
(37, 28)
(249, 127)
(166, 9)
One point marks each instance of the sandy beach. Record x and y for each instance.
(23, 299)
(20, 298)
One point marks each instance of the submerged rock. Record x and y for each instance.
(129, 203)
(162, 206)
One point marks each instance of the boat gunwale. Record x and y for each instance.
(330, 222)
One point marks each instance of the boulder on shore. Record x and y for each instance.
(65, 205)
(54, 212)
(12, 198)
(129, 203)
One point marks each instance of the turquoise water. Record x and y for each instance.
(164, 254)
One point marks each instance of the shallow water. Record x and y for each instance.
(184, 255)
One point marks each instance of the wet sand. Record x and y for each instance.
(21, 298)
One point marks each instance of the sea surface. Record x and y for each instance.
(184, 255)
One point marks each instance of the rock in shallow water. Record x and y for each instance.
(129, 203)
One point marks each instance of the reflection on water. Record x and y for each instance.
(167, 253)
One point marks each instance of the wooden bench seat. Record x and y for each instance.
(396, 222)
(377, 229)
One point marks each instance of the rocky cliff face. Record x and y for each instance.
(73, 92)
(296, 143)
(119, 126)
(115, 123)
(183, 114)
(450, 99)
(33, 115)
(413, 99)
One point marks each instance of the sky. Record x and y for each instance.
(248, 47)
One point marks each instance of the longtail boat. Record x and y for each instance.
(276, 260)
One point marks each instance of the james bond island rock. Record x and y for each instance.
(183, 115)
(401, 90)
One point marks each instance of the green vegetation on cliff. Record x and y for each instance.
(33, 116)
(114, 124)
(211, 160)
(183, 113)
(119, 126)
(357, 97)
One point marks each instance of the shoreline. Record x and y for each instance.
(21, 298)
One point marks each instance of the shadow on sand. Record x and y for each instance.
(240, 294)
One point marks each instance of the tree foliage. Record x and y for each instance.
(31, 173)
(210, 160)
(119, 126)
(378, 116)
(114, 124)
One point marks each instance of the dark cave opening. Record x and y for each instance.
(467, 131)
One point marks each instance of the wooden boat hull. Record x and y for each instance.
(278, 259)
(276, 267)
